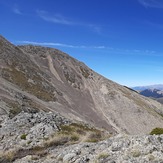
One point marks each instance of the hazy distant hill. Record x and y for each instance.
(153, 93)
(34, 78)
(140, 88)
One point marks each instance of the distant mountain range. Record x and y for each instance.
(155, 93)
(156, 86)
(152, 91)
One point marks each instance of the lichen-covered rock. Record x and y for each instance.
(29, 129)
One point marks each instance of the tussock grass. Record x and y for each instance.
(18, 153)
(7, 156)
(75, 133)
(102, 156)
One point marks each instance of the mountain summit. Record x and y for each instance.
(35, 78)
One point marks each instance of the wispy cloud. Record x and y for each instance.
(60, 19)
(60, 44)
(57, 18)
(94, 28)
(135, 52)
(107, 49)
(151, 3)
(16, 10)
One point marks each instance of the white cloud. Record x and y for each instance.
(59, 19)
(60, 44)
(151, 3)
(107, 49)
(49, 44)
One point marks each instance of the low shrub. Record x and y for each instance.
(74, 137)
(157, 131)
(136, 153)
(23, 136)
(102, 156)
(8, 156)
(56, 141)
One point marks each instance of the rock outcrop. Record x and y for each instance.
(45, 138)
(29, 129)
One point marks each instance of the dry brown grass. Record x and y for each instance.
(7, 156)
(18, 153)
(75, 133)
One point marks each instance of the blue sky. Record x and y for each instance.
(120, 39)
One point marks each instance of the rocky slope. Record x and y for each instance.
(49, 137)
(36, 134)
(34, 78)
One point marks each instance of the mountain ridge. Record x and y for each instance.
(37, 78)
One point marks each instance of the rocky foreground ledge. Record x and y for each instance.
(120, 149)
(50, 138)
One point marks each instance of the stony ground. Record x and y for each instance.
(119, 149)
(25, 139)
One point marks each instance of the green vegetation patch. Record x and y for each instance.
(14, 111)
(157, 131)
(23, 136)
